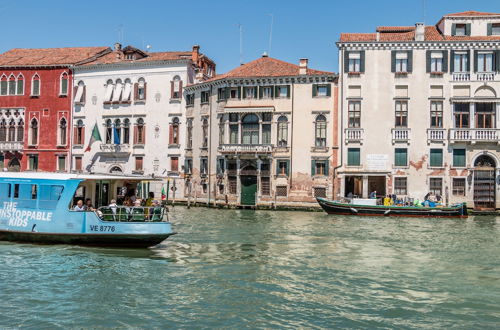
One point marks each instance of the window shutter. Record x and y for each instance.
(313, 167)
(315, 90)
(393, 61)
(445, 61)
(346, 61)
(428, 61)
(145, 90)
(180, 89)
(476, 55)
(287, 167)
(74, 92)
(497, 60)
(362, 61)
(136, 91)
(327, 165)
(244, 93)
(468, 61)
(277, 167)
(261, 92)
(410, 60)
(75, 135)
(453, 29)
(136, 132)
(467, 29)
(276, 90)
(171, 89)
(288, 91)
(239, 93)
(489, 29)
(328, 90)
(83, 135)
(452, 62)
(272, 91)
(171, 134)
(144, 134)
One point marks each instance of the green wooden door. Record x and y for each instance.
(248, 189)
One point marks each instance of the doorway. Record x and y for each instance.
(353, 186)
(484, 183)
(377, 183)
(248, 189)
(101, 194)
(14, 165)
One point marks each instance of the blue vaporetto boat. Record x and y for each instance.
(39, 207)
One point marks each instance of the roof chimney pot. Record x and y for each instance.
(303, 65)
(419, 32)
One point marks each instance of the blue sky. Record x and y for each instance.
(301, 28)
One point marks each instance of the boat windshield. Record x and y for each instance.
(155, 213)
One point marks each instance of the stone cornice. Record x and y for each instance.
(444, 44)
(120, 65)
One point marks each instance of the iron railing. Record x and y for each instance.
(133, 213)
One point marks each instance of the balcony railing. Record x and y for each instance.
(115, 147)
(474, 135)
(486, 76)
(353, 135)
(436, 134)
(479, 76)
(11, 146)
(459, 76)
(246, 148)
(400, 135)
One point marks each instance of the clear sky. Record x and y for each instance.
(302, 28)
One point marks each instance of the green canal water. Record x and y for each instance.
(247, 269)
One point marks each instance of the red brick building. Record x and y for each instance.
(35, 106)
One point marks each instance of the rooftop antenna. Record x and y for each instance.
(270, 35)
(241, 43)
(423, 9)
(120, 30)
(148, 48)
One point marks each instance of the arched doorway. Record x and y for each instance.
(248, 177)
(484, 183)
(14, 165)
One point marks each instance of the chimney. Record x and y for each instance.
(303, 65)
(264, 54)
(118, 46)
(195, 54)
(378, 36)
(419, 32)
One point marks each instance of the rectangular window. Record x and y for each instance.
(436, 186)
(495, 29)
(266, 92)
(353, 157)
(203, 166)
(188, 166)
(78, 163)
(282, 167)
(281, 191)
(282, 91)
(189, 99)
(233, 184)
(354, 114)
(221, 94)
(234, 93)
(458, 186)
(319, 192)
(402, 62)
(174, 164)
(437, 61)
(205, 97)
(460, 30)
(458, 157)
(485, 115)
(250, 92)
(5, 192)
(320, 167)
(3, 87)
(266, 133)
(400, 186)
(138, 163)
(436, 114)
(64, 86)
(33, 162)
(461, 113)
(221, 165)
(401, 114)
(436, 158)
(233, 134)
(460, 62)
(485, 61)
(265, 186)
(61, 163)
(354, 62)
(401, 157)
(321, 90)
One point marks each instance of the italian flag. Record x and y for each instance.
(163, 193)
(96, 136)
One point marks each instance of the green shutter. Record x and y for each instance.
(489, 29)
(362, 61)
(261, 92)
(20, 87)
(436, 158)
(497, 60)
(453, 29)
(467, 29)
(288, 91)
(276, 90)
(346, 61)
(327, 163)
(353, 157)
(401, 157)
(239, 92)
(476, 55)
(277, 167)
(393, 61)
(468, 61)
(328, 90)
(64, 86)
(227, 91)
(244, 92)
(3, 87)
(410, 60)
(458, 157)
(452, 61)
(428, 61)
(315, 90)
(445, 61)
(287, 167)
(313, 167)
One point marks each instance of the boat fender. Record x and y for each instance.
(387, 212)
(353, 210)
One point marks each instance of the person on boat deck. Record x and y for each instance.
(151, 197)
(79, 206)
(373, 194)
(113, 206)
(88, 205)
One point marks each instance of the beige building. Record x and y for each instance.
(262, 134)
(419, 110)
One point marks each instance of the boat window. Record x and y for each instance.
(4, 192)
(49, 195)
(26, 194)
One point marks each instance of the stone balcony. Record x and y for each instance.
(436, 135)
(478, 76)
(400, 135)
(354, 135)
(112, 148)
(246, 148)
(11, 146)
(474, 135)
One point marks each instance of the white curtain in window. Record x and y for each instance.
(437, 55)
(354, 56)
(401, 56)
(126, 91)
(109, 92)
(118, 91)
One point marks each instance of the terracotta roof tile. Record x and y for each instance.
(471, 13)
(358, 37)
(156, 56)
(49, 56)
(266, 67)
(395, 28)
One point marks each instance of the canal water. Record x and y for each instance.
(241, 268)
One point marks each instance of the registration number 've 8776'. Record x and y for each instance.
(102, 228)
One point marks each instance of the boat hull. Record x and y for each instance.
(401, 211)
(108, 240)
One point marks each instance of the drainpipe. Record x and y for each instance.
(70, 126)
(209, 158)
(292, 87)
(340, 109)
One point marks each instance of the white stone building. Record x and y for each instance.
(135, 99)
(420, 110)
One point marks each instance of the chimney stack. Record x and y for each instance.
(195, 54)
(419, 32)
(118, 46)
(303, 65)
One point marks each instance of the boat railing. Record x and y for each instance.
(133, 213)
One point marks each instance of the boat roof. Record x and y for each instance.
(73, 176)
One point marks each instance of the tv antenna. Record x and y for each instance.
(241, 43)
(270, 35)
(120, 30)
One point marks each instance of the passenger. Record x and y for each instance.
(151, 197)
(387, 200)
(88, 205)
(373, 194)
(113, 206)
(79, 206)
(137, 211)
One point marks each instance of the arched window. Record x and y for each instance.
(12, 85)
(20, 131)
(118, 124)
(233, 128)
(127, 90)
(140, 93)
(126, 131)
(3, 130)
(140, 129)
(12, 130)
(63, 132)
(109, 91)
(205, 133)
(64, 84)
(35, 85)
(34, 132)
(189, 133)
(174, 131)
(20, 84)
(176, 88)
(3, 85)
(79, 132)
(222, 130)
(282, 131)
(117, 93)
(320, 131)
(250, 129)
(109, 131)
